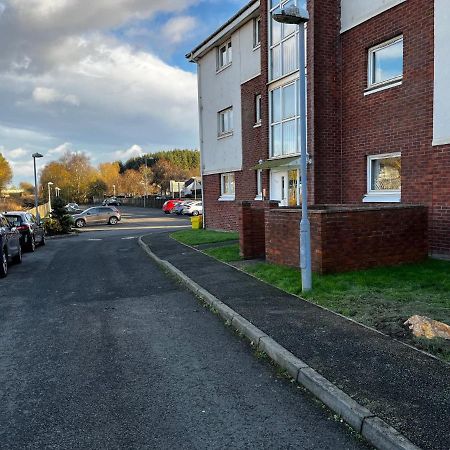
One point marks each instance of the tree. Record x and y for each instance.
(164, 171)
(130, 182)
(5, 172)
(62, 221)
(110, 174)
(97, 188)
(81, 174)
(27, 188)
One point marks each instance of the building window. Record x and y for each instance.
(224, 55)
(284, 120)
(258, 109)
(256, 32)
(384, 182)
(283, 41)
(259, 185)
(385, 63)
(227, 186)
(225, 122)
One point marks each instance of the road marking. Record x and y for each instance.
(128, 238)
(95, 239)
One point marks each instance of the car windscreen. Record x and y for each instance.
(14, 220)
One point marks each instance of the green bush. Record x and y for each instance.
(60, 222)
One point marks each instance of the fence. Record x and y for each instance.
(42, 210)
(151, 201)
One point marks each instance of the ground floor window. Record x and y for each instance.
(259, 185)
(227, 186)
(384, 182)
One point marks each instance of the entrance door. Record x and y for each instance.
(293, 188)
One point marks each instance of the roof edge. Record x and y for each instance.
(193, 54)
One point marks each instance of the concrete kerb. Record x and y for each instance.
(376, 431)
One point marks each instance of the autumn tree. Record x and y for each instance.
(57, 173)
(97, 188)
(5, 172)
(110, 174)
(27, 188)
(164, 171)
(130, 182)
(81, 174)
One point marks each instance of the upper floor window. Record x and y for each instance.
(225, 122)
(256, 32)
(283, 41)
(258, 109)
(224, 56)
(384, 181)
(284, 120)
(385, 63)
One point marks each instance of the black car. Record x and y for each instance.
(10, 249)
(31, 232)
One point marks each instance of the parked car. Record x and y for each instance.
(31, 232)
(111, 202)
(72, 206)
(169, 205)
(178, 209)
(10, 248)
(97, 215)
(193, 209)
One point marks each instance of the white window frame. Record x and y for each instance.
(227, 195)
(295, 118)
(221, 131)
(256, 33)
(259, 185)
(381, 196)
(258, 107)
(228, 54)
(385, 84)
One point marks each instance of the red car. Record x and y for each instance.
(169, 205)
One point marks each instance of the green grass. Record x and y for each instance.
(228, 253)
(197, 237)
(381, 298)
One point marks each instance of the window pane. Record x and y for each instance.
(289, 101)
(289, 138)
(230, 120)
(276, 105)
(230, 53)
(290, 55)
(388, 62)
(289, 28)
(232, 184)
(386, 174)
(276, 140)
(276, 30)
(276, 62)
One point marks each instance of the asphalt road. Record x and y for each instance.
(99, 349)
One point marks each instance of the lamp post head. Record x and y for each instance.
(50, 183)
(37, 155)
(291, 15)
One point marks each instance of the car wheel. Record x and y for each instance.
(18, 258)
(195, 213)
(113, 220)
(32, 244)
(80, 223)
(167, 212)
(4, 264)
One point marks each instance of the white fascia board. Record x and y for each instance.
(217, 171)
(355, 21)
(226, 32)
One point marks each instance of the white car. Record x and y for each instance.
(193, 209)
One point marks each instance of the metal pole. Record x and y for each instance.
(36, 201)
(49, 197)
(305, 227)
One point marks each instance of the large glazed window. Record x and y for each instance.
(224, 55)
(227, 186)
(283, 41)
(225, 122)
(385, 64)
(284, 120)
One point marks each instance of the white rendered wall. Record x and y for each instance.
(221, 90)
(441, 119)
(354, 12)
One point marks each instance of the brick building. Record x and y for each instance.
(378, 109)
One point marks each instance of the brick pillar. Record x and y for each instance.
(245, 230)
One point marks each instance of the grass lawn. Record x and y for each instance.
(228, 253)
(197, 237)
(381, 298)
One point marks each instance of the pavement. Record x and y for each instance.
(100, 349)
(394, 384)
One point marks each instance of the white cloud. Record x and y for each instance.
(48, 95)
(17, 153)
(177, 29)
(133, 152)
(61, 149)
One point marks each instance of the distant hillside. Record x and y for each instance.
(188, 160)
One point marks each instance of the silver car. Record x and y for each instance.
(98, 215)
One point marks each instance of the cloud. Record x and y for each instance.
(49, 95)
(17, 153)
(133, 152)
(177, 29)
(61, 149)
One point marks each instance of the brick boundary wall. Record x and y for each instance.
(350, 238)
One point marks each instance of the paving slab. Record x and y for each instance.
(406, 388)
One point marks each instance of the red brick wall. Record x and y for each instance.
(397, 119)
(344, 239)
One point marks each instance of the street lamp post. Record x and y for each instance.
(57, 190)
(49, 187)
(293, 15)
(114, 189)
(36, 201)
